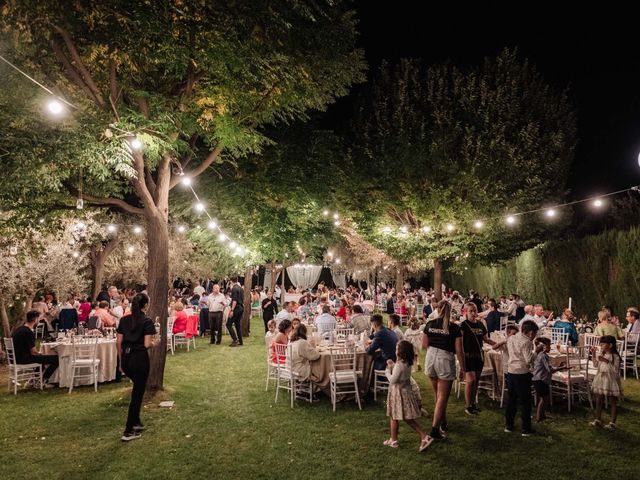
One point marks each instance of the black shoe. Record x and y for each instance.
(128, 436)
(444, 427)
(234, 344)
(138, 428)
(508, 429)
(470, 411)
(437, 434)
(218, 343)
(528, 433)
(475, 407)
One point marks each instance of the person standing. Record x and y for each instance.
(135, 335)
(235, 313)
(269, 310)
(217, 302)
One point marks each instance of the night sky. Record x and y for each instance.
(595, 53)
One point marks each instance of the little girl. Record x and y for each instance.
(606, 383)
(402, 401)
(271, 332)
(414, 336)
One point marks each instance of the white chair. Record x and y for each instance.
(504, 322)
(21, 372)
(419, 313)
(170, 345)
(629, 355)
(343, 333)
(559, 336)
(487, 382)
(573, 381)
(40, 327)
(343, 378)
(402, 316)
(272, 368)
(380, 383)
(591, 340)
(285, 379)
(84, 363)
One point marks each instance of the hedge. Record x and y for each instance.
(596, 270)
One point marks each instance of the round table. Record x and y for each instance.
(321, 368)
(106, 351)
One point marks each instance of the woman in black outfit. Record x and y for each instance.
(135, 335)
(269, 310)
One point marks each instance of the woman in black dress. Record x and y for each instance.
(269, 310)
(135, 335)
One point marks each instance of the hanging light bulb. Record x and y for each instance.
(76, 254)
(450, 227)
(386, 230)
(55, 107)
(212, 225)
(511, 220)
(130, 249)
(200, 207)
(186, 181)
(137, 230)
(550, 213)
(404, 229)
(426, 229)
(598, 203)
(337, 223)
(111, 228)
(337, 260)
(136, 143)
(222, 237)
(336, 216)
(41, 221)
(325, 213)
(182, 229)
(232, 244)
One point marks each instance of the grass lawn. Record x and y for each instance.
(224, 425)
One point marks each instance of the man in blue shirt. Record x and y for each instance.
(383, 340)
(325, 322)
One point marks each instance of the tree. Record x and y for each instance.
(194, 81)
(437, 150)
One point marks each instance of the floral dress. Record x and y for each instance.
(403, 402)
(607, 379)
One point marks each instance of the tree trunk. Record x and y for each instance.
(5, 318)
(282, 297)
(245, 322)
(98, 259)
(274, 277)
(437, 278)
(400, 278)
(158, 288)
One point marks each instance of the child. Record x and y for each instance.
(521, 357)
(607, 380)
(271, 332)
(542, 372)
(402, 401)
(414, 336)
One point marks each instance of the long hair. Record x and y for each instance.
(300, 332)
(444, 312)
(137, 304)
(611, 340)
(406, 352)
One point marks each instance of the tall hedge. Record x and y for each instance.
(595, 270)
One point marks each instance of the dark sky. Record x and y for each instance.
(596, 53)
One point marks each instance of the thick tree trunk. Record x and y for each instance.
(400, 270)
(158, 288)
(5, 317)
(274, 277)
(98, 259)
(245, 322)
(437, 278)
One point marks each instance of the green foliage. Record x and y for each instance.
(441, 145)
(596, 270)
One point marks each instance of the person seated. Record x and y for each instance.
(302, 353)
(270, 336)
(568, 326)
(106, 319)
(84, 310)
(528, 315)
(382, 344)
(295, 322)
(325, 322)
(342, 311)
(24, 344)
(538, 316)
(68, 315)
(394, 326)
(633, 325)
(359, 321)
(282, 338)
(180, 322)
(286, 313)
(606, 328)
(492, 318)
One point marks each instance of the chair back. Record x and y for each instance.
(419, 310)
(93, 323)
(11, 353)
(620, 345)
(170, 322)
(281, 354)
(504, 321)
(84, 348)
(559, 336)
(343, 359)
(368, 306)
(343, 333)
(591, 340)
(40, 330)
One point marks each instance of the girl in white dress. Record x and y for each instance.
(607, 383)
(414, 336)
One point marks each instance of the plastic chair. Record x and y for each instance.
(629, 354)
(343, 378)
(84, 363)
(21, 372)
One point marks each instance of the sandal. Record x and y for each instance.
(424, 444)
(596, 423)
(391, 443)
(610, 426)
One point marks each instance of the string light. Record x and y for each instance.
(511, 220)
(186, 181)
(222, 237)
(550, 213)
(426, 229)
(76, 254)
(200, 207)
(136, 144)
(212, 225)
(597, 203)
(478, 224)
(55, 107)
(404, 229)
(325, 213)
(386, 230)
(130, 249)
(337, 260)
(232, 244)
(182, 229)
(41, 221)
(336, 216)
(111, 228)
(137, 230)
(337, 223)
(450, 227)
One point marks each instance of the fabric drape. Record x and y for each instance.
(339, 279)
(304, 276)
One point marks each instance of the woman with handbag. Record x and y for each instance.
(136, 334)
(474, 333)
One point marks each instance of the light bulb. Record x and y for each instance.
(136, 144)
(597, 203)
(232, 244)
(336, 216)
(386, 230)
(111, 228)
(212, 225)
(222, 237)
(426, 229)
(76, 254)
(182, 229)
(450, 227)
(550, 213)
(478, 224)
(337, 260)
(404, 229)
(325, 212)
(200, 207)
(337, 223)
(130, 249)
(186, 181)
(137, 230)
(55, 107)
(510, 220)
(41, 221)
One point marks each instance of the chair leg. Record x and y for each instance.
(72, 375)
(41, 378)
(292, 388)
(95, 379)
(355, 383)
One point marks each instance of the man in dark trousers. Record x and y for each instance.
(235, 314)
(24, 344)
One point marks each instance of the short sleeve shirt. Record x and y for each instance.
(237, 294)
(469, 330)
(438, 338)
(133, 335)
(23, 341)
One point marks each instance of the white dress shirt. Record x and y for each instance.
(216, 302)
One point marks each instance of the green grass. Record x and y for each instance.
(224, 425)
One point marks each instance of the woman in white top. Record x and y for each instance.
(302, 353)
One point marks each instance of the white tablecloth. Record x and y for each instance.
(106, 352)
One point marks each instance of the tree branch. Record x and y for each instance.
(139, 182)
(71, 71)
(80, 65)
(113, 87)
(151, 184)
(113, 202)
(212, 157)
(164, 180)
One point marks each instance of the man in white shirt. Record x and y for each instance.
(521, 357)
(528, 315)
(216, 303)
(325, 322)
(633, 327)
(538, 316)
(286, 313)
(199, 290)
(360, 322)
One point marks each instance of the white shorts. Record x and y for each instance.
(440, 364)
